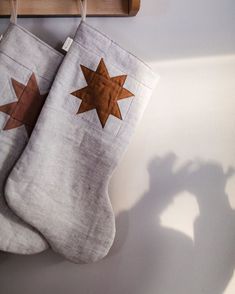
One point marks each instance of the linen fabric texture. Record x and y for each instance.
(60, 183)
(27, 69)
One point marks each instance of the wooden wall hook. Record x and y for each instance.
(49, 8)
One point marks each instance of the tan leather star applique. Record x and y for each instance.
(26, 110)
(102, 92)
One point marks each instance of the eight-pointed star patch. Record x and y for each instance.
(102, 92)
(26, 110)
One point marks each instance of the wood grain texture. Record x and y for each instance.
(134, 7)
(71, 8)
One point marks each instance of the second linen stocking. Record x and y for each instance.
(95, 103)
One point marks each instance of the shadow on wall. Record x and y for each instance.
(155, 259)
(147, 257)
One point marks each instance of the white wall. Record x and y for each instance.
(174, 191)
(163, 29)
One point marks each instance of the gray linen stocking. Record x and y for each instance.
(27, 69)
(60, 184)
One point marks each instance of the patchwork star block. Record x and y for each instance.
(102, 92)
(26, 110)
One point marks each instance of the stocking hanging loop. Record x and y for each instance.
(14, 9)
(83, 8)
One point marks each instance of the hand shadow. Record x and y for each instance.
(147, 255)
(214, 229)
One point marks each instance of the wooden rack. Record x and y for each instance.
(49, 8)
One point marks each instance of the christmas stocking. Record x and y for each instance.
(60, 184)
(27, 68)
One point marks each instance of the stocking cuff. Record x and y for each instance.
(29, 51)
(102, 45)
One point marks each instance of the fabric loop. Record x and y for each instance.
(14, 8)
(83, 8)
